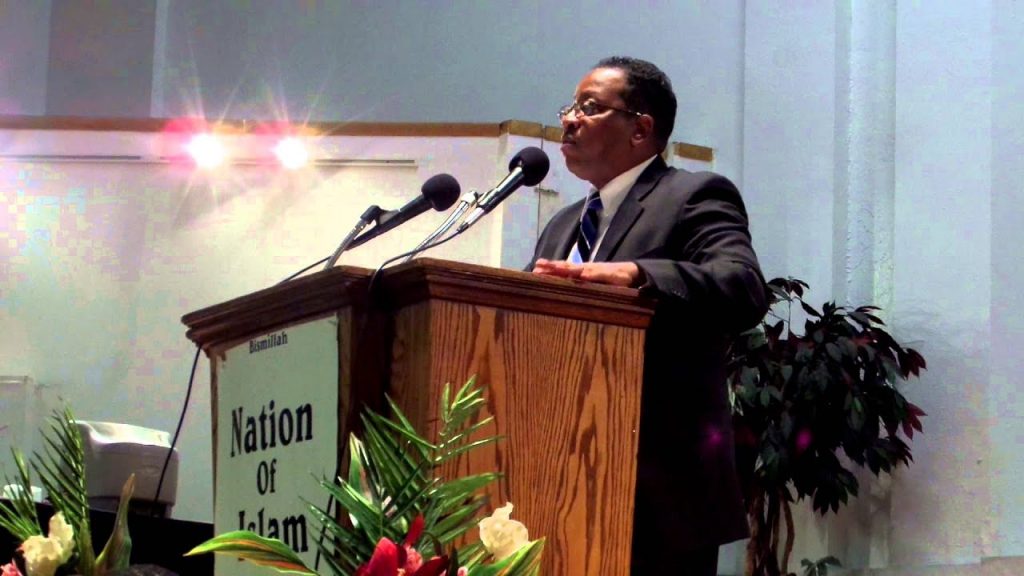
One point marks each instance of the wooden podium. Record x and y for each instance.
(561, 363)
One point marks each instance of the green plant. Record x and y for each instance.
(801, 399)
(819, 568)
(61, 470)
(394, 493)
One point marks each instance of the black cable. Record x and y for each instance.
(184, 408)
(376, 273)
(313, 265)
(177, 432)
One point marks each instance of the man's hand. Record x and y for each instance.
(615, 273)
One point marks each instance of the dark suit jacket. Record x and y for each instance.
(688, 234)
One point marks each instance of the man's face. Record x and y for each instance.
(598, 147)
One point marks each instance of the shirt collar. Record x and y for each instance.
(614, 192)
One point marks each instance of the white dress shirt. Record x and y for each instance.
(612, 195)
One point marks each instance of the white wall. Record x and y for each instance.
(788, 144)
(882, 155)
(1006, 405)
(943, 281)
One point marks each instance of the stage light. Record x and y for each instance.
(291, 153)
(206, 150)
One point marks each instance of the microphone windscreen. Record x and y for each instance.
(441, 190)
(534, 163)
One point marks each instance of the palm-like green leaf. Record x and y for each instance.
(256, 549)
(61, 470)
(391, 480)
(524, 562)
(118, 550)
(19, 516)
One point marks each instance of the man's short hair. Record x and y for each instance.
(649, 91)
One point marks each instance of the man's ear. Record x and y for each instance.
(644, 129)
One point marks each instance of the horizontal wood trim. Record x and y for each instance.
(78, 123)
(270, 308)
(408, 284)
(553, 133)
(521, 128)
(429, 278)
(693, 151)
(408, 129)
(394, 129)
(413, 129)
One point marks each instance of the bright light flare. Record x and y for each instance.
(291, 153)
(206, 150)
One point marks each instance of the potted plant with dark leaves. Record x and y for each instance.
(808, 407)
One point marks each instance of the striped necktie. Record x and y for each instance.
(586, 237)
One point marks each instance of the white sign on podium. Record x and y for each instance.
(277, 415)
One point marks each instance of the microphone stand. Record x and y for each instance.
(372, 214)
(469, 200)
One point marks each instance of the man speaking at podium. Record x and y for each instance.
(683, 238)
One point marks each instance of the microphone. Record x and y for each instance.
(468, 201)
(372, 214)
(439, 192)
(529, 166)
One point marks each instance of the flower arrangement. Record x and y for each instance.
(397, 515)
(68, 542)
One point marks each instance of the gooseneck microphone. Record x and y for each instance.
(438, 192)
(468, 201)
(371, 214)
(528, 167)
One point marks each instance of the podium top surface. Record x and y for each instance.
(408, 284)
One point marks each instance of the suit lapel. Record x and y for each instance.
(561, 242)
(630, 210)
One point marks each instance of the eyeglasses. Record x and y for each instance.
(589, 108)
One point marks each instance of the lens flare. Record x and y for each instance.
(206, 150)
(291, 153)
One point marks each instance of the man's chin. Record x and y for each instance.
(576, 171)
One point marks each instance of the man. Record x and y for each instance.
(682, 237)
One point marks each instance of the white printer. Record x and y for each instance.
(114, 451)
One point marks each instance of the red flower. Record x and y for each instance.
(384, 561)
(390, 559)
(415, 531)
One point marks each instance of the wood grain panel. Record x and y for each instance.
(565, 394)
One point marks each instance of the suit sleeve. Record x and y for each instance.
(548, 244)
(710, 269)
(542, 243)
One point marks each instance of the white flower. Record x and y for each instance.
(44, 554)
(502, 536)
